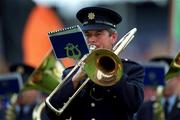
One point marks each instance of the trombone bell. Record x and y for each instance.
(174, 69)
(103, 67)
(47, 76)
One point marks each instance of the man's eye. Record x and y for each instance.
(98, 34)
(87, 35)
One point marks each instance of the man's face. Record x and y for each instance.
(172, 86)
(101, 38)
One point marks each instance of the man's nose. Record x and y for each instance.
(91, 39)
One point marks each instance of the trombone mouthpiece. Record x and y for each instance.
(92, 47)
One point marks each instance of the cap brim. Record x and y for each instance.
(95, 27)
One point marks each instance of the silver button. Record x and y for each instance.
(108, 90)
(93, 104)
(93, 119)
(94, 89)
(114, 96)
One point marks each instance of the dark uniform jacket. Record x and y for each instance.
(25, 112)
(146, 111)
(118, 102)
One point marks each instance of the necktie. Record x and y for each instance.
(166, 105)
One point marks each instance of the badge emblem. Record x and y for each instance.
(72, 51)
(91, 16)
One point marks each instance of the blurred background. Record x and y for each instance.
(24, 25)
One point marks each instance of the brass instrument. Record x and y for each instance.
(174, 69)
(38, 110)
(96, 67)
(10, 112)
(157, 106)
(45, 78)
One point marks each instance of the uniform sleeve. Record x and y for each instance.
(129, 90)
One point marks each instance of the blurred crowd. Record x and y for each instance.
(161, 99)
(157, 90)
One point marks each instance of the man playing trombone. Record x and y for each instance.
(118, 101)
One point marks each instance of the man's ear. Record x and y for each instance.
(114, 37)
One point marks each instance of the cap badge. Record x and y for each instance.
(91, 16)
(20, 69)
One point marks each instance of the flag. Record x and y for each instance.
(154, 74)
(69, 42)
(25, 27)
(35, 37)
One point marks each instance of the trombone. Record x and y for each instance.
(174, 69)
(96, 67)
(37, 111)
